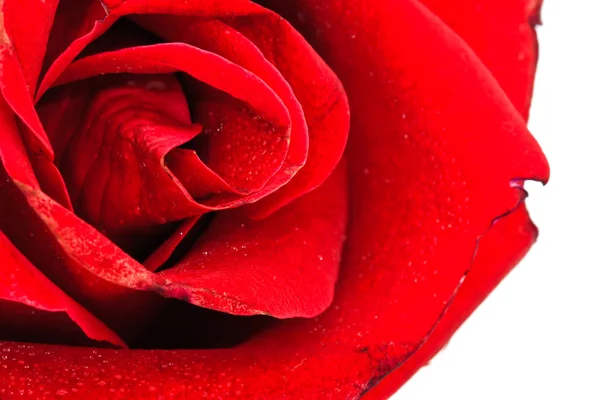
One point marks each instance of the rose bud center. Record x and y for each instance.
(135, 160)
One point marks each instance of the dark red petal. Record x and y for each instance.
(285, 265)
(248, 152)
(21, 57)
(61, 112)
(22, 284)
(497, 253)
(98, 273)
(503, 36)
(263, 371)
(20, 18)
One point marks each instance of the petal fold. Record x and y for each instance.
(285, 265)
(21, 284)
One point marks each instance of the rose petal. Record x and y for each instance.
(77, 23)
(497, 253)
(14, 90)
(197, 178)
(19, 16)
(441, 151)
(295, 365)
(22, 284)
(51, 181)
(21, 58)
(12, 150)
(258, 373)
(173, 57)
(503, 36)
(285, 265)
(249, 153)
(98, 274)
(324, 103)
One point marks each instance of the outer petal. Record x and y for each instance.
(21, 284)
(497, 253)
(434, 149)
(503, 36)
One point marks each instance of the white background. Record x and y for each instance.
(538, 335)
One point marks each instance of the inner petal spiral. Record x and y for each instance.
(134, 162)
(146, 133)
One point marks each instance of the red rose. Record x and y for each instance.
(162, 159)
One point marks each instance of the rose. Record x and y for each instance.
(101, 173)
(437, 152)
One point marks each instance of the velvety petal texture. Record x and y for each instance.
(379, 256)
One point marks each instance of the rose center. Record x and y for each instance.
(135, 162)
